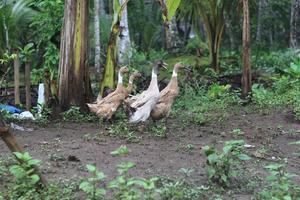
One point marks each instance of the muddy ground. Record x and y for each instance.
(66, 148)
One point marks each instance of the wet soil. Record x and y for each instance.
(66, 148)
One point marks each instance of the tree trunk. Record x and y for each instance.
(17, 78)
(73, 79)
(6, 34)
(27, 86)
(261, 5)
(124, 44)
(293, 23)
(229, 30)
(108, 81)
(246, 78)
(97, 40)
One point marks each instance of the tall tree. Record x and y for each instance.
(212, 15)
(124, 39)
(261, 5)
(246, 78)
(97, 8)
(293, 23)
(74, 85)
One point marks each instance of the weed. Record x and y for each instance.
(122, 150)
(75, 115)
(221, 167)
(180, 190)
(122, 130)
(200, 106)
(279, 184)
(159, 130)
(90, 186)
(237, 132)
(123, 186)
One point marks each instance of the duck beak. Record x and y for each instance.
(164, 65)
(187, 69)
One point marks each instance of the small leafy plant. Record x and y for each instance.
(90, 186)
(221, 167)
(122, 130)
(159, 130)
(279, 184)
(25, 172)
(75, 115)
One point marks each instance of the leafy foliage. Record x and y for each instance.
(279, 184)
(75, 115)
(202, 106)
(221, 167)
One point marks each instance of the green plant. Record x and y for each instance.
(25, 172)
(122, 150)
(123, 186)
(237, 132)
(90, 186)
(26, 180)
(221, 167)
(279, 184)
(75, 115)
(122, 130)
(159, 130)
(180, 190)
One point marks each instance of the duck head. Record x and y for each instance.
(134, 75)
(161, 64)
(123, 70)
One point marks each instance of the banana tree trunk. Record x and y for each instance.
(246, 78)
(27, 86)
(293, 23)
(17, 78)
(73, 68)
(108, 81)
(124, 45)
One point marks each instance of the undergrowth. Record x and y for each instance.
(201, 106)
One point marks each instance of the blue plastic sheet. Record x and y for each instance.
(10, 109)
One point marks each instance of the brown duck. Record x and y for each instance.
(107, 106)
(167, 96)
(132, 77)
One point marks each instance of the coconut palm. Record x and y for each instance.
(14, 19)
(211, 13)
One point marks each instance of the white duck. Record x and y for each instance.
(142, 104)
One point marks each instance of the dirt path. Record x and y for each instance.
(65, 148)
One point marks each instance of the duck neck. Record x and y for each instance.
(120, 79)
(175, 73)
(153, 82)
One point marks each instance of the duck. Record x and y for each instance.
(107, 106)
(140, 106)
(168, 95)
(132, 77)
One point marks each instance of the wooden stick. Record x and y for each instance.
(14, 146)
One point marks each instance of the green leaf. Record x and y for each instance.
(86, 187)
(243, 157)
(100, 192)
(172, 6)
(91, 168)
(213, 158)
(34, 178)
(34, 162)
(122, 150)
